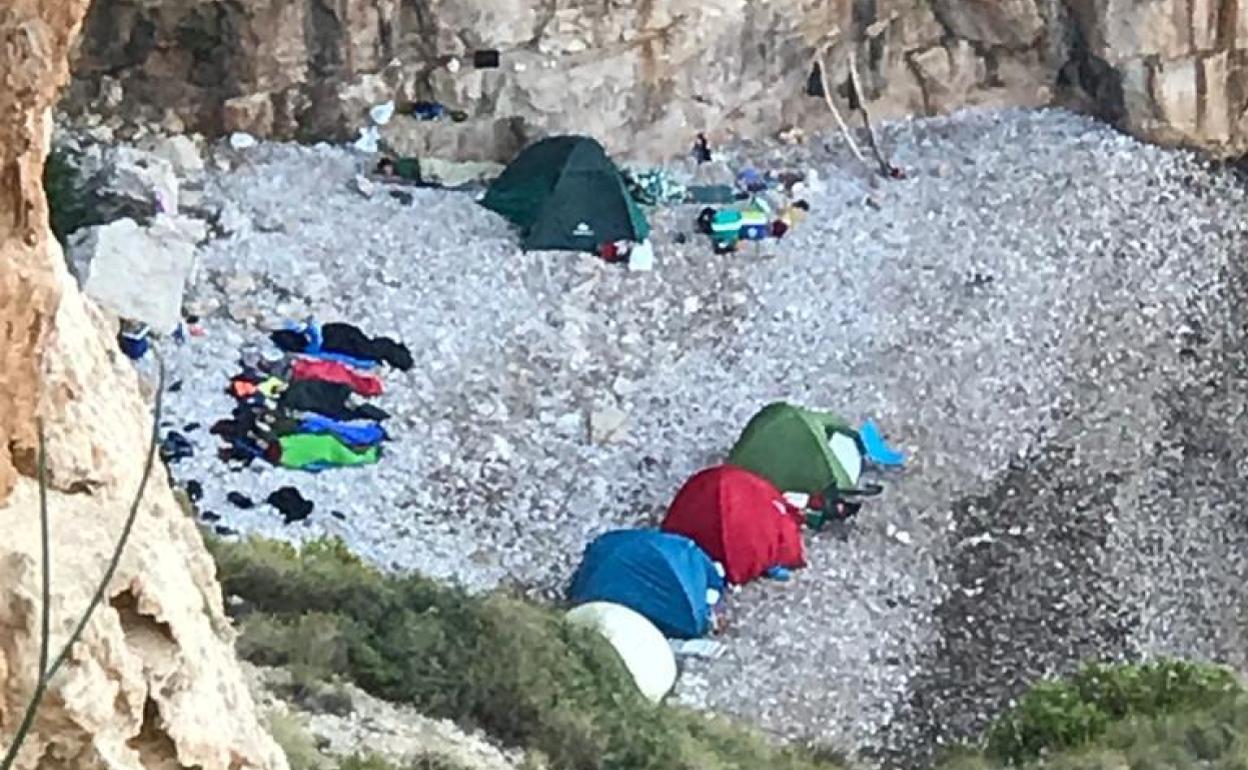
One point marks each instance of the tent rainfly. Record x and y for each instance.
(667, 578)
(740, 520)
(645, 652)
(565, 194)
(799, 450)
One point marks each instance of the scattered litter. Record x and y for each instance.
(134, 340)
(614, 251)
(194, 490)
(363, 186)
(641, 258)
(368, 141)
(707, 649)
(381, 114)
(174, 447)
(900, 535)
(751, 180)
(428, 111)
(779, 574)
(291, 504)
(877, 449)
(488, 59)
(792, 135)
(711, 193)
(241, 140)
(239, 500)
(980, 539)
(654, 187)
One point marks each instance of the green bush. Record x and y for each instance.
(69, 207)
(1063, 714)
(510, 668)
(297, 743)
(373, 762)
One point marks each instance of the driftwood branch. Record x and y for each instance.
(886, 168)
(819, 59)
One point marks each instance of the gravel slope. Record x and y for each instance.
(1072, 489)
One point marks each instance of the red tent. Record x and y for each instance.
(740, 519)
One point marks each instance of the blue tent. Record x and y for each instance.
(660, 575)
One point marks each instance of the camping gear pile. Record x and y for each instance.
(654, 187)
(303, 407)
(771, 207)
(727, 525)
(757, 220)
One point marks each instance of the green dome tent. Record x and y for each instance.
(799, 450)
(565, 194)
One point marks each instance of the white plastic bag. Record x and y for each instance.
(380, 114)
(369, 137)
(641, 258)
(241, 140)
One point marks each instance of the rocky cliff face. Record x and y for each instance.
(153, 682)
(645, 73)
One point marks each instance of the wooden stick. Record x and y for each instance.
(820, 59)
(886, 168)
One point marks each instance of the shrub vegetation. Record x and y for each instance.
(517, 672)
(495, 663)
(1074, 712)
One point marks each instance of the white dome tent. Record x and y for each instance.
(644, 650)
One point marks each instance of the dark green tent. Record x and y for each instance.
(565, 194)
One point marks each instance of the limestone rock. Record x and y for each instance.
(453, 174)
(608, 425)
(153, 681)
(250, 114)
(484, 139)
(947, 75)
(398, 733)
(134, 183)
(179, 151)
(138, 272)
(644, 77)
(1005, 23)
(1176, 94)
(172, 123)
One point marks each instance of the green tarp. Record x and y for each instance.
(799, 450)
(565, 194)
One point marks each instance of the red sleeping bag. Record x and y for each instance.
(333, 371)
(740, 519)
